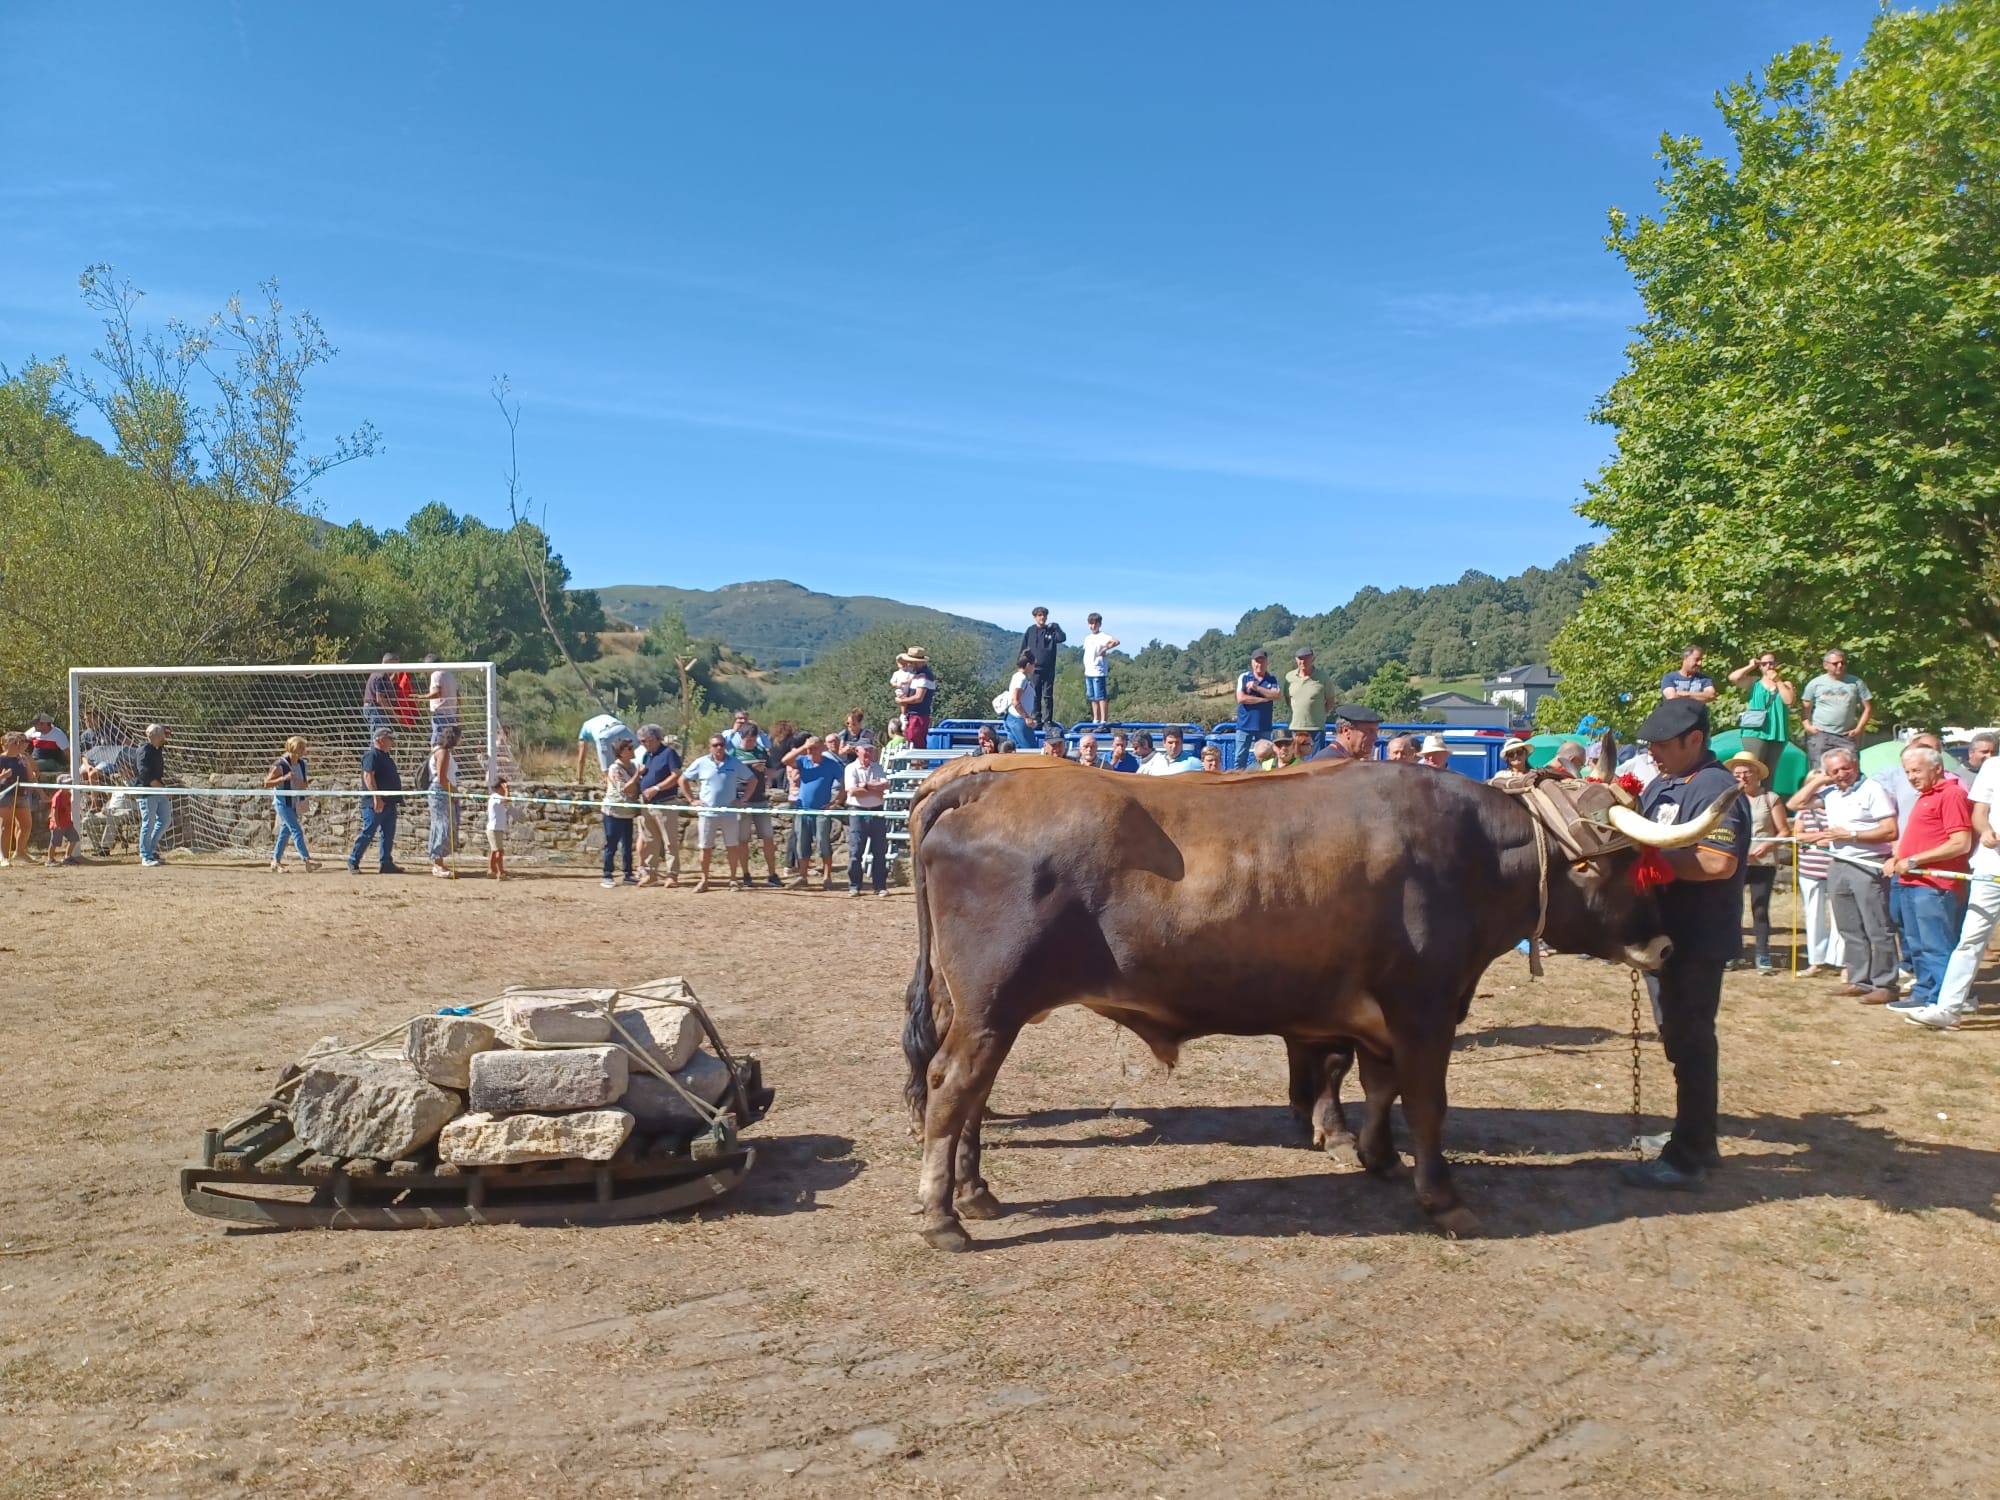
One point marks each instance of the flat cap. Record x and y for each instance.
(1674, 718)
(1359, 714)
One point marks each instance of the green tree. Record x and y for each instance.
(1808, 438)
(476, 590)
(210, 418)
(1391, 694)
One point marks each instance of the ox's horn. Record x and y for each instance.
(1671, 835)
(1607, 757)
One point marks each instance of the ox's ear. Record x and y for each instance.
(1607, 757)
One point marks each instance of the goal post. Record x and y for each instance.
(227, 724)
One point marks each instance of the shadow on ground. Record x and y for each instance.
(1816, 1156)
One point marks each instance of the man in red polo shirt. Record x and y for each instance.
(1937, 835)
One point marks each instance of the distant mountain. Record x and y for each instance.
(784, 625)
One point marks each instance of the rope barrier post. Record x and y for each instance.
(1798, 899)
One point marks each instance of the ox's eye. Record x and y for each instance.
(1584, 867)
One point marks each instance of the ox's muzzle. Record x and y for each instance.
(1650, 956)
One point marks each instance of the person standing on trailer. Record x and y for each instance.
(915, 688)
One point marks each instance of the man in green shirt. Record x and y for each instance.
(1838, 708)
(1308, 698)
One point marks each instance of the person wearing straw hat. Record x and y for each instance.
(1433, 753)
(1702, 910)
(1513, 759)
(915, 688)
(1767, 825)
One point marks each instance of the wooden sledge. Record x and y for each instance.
(656, 1175)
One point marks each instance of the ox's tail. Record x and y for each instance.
(921, 1038)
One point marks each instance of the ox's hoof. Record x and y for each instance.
(980, 1205)
(1459, 1223)
(951, 1236)
(1343, 1152)
(1389, 1168)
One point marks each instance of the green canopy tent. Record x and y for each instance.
(1886, 756)
(1542, 748)
(1792, 764)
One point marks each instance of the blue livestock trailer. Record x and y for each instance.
(1474, 752)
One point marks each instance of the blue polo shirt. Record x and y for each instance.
(1680, 682)
(715, 782)
(660, 765)
(817, 781)
(1255, 718)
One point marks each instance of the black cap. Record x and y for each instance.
(1674, 718)
(1358, 714)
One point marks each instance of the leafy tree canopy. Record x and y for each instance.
(1808, 426)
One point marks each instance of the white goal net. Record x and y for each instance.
(226, 727)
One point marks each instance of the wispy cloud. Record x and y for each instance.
(1442, 311)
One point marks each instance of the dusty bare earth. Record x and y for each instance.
(1185, 1302)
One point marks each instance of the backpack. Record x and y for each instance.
(424, 773)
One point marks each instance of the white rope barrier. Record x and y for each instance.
(356, 794)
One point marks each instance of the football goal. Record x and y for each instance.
(227, 725)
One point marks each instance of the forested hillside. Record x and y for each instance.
(1380, 638)
(784, 625)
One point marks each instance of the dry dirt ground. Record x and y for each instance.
(1185, 1301)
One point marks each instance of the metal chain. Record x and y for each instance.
(1638, 1124)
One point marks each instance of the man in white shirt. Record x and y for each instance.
(866, 784)
(1861, 826)
(1170, 759)
(604, 731)
(1096, 670)
(1954, 1000)
(442, 695)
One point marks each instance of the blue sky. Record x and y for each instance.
(1170, 310)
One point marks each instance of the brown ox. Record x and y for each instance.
(1333, 910)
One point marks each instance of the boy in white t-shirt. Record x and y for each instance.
(496, 830)
(1096, 679)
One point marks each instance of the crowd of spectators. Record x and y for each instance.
(1898, 872)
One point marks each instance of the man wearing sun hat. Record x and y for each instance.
(915, 688)
(1434, 753)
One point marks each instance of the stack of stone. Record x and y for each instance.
(556, 1074)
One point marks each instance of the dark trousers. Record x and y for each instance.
(617, 835)
(1766, 751)
(1687, 992)
(866, 835)
(372, 822)
(1819, 741)
(1045, 693)
(1759, 880)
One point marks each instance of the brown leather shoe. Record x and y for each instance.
(1856, 990)
(1878, 997)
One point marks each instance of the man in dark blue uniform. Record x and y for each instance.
(1703, 910)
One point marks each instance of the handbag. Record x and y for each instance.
(1752, 719)
(1003, 704)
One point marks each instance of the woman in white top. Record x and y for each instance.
(621, 791)
(287, 776)
(1020, 704)
(444, 787)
